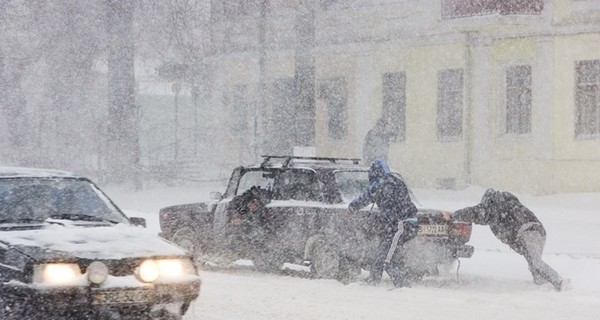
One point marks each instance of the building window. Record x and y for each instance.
(518, 100)
(469, 8)
(585, 6)
(225, 9)
(394, 103)
(587, 114)
(284, 132)
(239, 110)
(450, 105)
(334, 92)
(327, 4)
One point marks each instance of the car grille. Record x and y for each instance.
(118, 268)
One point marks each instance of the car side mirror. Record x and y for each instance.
(138, 221)
(216, 195)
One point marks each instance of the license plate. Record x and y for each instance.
(122, 296)
(433, 229)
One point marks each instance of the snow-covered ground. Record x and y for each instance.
(493, 284)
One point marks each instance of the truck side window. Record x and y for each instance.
(300, 185)
(257, 178)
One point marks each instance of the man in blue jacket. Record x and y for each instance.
(397, 213)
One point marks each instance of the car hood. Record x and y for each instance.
(119, 241)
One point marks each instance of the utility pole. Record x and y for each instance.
(304, 77)
(123, 141)
(260, 122)
(176, 87)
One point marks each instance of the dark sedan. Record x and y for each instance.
(67, 251)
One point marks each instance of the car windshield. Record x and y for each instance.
(38, 199)
(351, 183)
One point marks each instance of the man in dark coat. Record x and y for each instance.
(397, 213)
(518, 227)
(377, 141)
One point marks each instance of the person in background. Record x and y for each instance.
(377, 141)
(398, 215)
(518, 227)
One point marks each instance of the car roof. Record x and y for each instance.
(23, 172)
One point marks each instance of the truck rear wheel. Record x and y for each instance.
(267, 263)
(348, 270)
(325, 260)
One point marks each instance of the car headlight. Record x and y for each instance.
(147, 271)
(164, 269)
(172, 268)
(97, 272)
(56, 273)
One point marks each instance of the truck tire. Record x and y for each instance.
(267, 263)
(325, 260)
(164, 315)
(349, 270)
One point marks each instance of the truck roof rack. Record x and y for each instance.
(288, 159)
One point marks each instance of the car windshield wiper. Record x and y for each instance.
(21, 220)
(82, 217)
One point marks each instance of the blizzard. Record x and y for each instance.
(494, 284)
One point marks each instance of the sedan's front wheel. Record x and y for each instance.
(11, 309)
(165, 315)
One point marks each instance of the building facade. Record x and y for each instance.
(480, 92)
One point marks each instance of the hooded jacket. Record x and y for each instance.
(390, 194)
(504, 213)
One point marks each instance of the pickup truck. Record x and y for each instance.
(291, 209)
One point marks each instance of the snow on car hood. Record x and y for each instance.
(104, 242)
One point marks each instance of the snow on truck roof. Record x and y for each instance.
(300, 162)
(22, 172)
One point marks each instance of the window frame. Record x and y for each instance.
(454, 9)
(395, 110)
(336, 109)
(443, 91)
(227, 9)
(581, 133)
(507, 113)
(240, 110)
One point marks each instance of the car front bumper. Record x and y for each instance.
(87, 300)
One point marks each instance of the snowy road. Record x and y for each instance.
(499, 290)
(494, 283)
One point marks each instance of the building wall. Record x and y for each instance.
(577, 161)
(551, 158)
(332, 65)
(362, 40)
(437, 160)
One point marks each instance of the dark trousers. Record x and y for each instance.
(389, 248)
